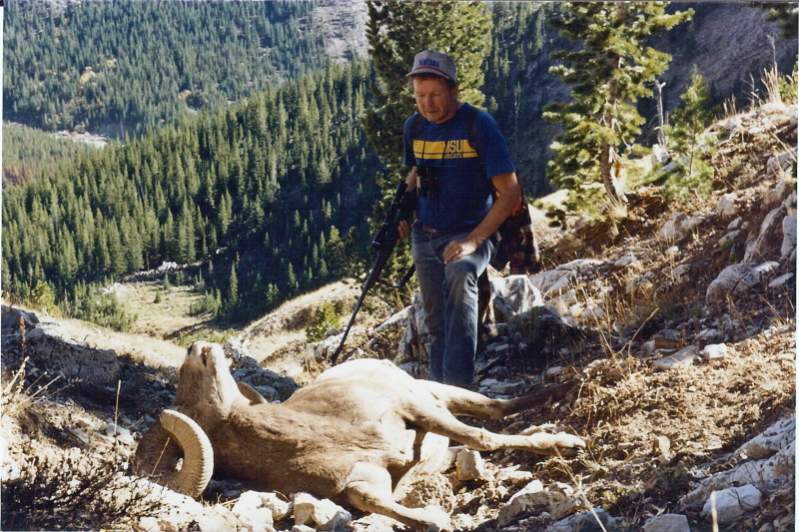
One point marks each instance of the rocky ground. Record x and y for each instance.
(669, 330)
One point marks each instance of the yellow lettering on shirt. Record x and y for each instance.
(441, 149)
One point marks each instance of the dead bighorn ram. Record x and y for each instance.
(344, 437)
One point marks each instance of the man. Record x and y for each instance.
(457, 157)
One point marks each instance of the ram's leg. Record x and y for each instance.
(441, 421)
(460, 401)
(369, 490)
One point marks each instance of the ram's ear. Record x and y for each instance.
(251, 394)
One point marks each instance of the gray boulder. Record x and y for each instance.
(667, 523)
(732, 503)
(738, 278)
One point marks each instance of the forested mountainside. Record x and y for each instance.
(30, 153)
(119, 68)
(729, 43)
(261, 193)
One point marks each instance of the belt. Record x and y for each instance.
(431, 231)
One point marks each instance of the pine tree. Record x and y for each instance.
(611, 70)
(233, 287)
(688, 122)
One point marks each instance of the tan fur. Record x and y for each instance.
(347, 436)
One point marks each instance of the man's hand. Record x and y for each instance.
(404, 229)
(457, 249)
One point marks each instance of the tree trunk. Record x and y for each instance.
(609, 167)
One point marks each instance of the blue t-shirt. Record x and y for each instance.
(464, 175)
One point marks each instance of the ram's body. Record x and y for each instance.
(348, 436)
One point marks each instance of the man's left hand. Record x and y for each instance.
(457, 249)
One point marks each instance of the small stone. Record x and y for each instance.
(148, 524)
(667, 523)
(554, 372)
(725, 208)
(714, 352)
(663, 447)
(708, 335)
(469, 465)
(626, 260)
(731, 503)
(781, 280)
(683, 358)
(673, 251)
(735, 224)
(514, 476)
(308, 508)
(302, 528)
(788, 236)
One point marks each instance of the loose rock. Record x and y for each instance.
(667, 523)
(732, 503)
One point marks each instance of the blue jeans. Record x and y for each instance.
(449, 294)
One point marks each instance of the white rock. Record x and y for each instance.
(673, 251)
(514, 294)
(683, 358)
(308, 508)
(725, 208)
(788, 236)
(251, 511)
(714, 352)
(513, 475)
(530, 497)
(545, 280)
(9, 469)
(781, 280)
(732, 503)
(470, 465)
(660, 154)
(738, 278)
(667, 523)
(148, 524)
(769, 442)
(554, 372)
(767, 475)
(735, 224)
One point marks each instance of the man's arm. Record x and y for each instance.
(508, 194)
(404, 227)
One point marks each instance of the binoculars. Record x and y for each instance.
(428, 182)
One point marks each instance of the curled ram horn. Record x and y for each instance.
(162, 446)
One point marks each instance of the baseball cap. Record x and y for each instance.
(432, 62)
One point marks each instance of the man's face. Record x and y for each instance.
(435, 99)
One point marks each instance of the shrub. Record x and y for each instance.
(323, 320)
(207, 304)
(72, 491)
(104, 310)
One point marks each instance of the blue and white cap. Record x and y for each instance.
(436, 63)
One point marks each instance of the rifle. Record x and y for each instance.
(383, 243)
